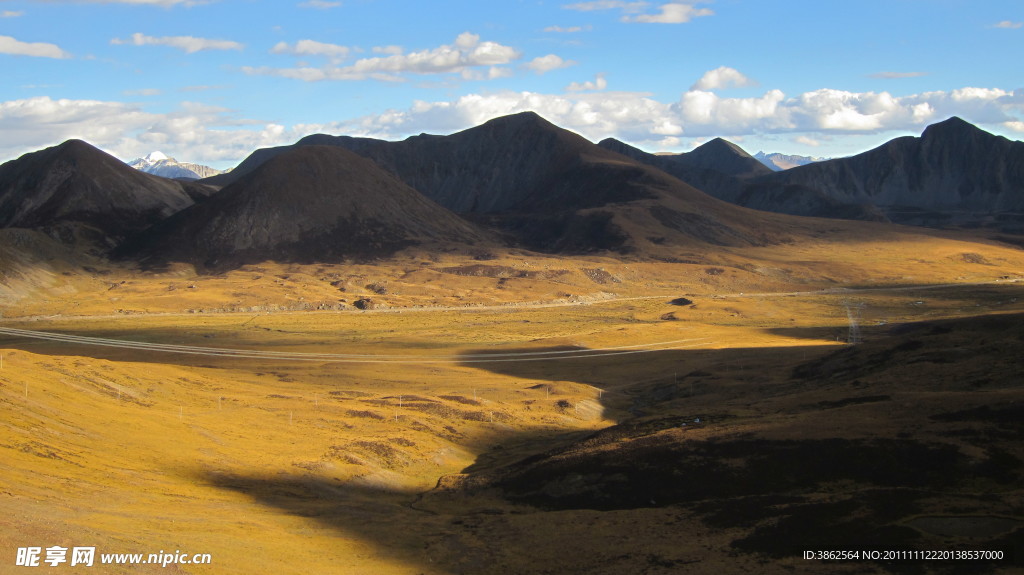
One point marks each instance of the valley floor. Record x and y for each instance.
(607, 427)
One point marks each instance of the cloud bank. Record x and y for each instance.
(217, 136)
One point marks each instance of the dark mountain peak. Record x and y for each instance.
(954, 173)
(316, 140)
(954, 127)
(726, 157)
(307, 203)
(75, 184)
(77, 146)
(522, 123)
(71, 150)
(621, 147)
(720, 146)
(521, 118)
(309, 170)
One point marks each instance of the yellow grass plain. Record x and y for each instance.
(312, 465)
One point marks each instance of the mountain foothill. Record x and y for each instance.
(515, 181)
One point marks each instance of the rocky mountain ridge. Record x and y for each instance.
(159, 164)
(954, 172)
(778, 162)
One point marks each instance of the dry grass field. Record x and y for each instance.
(519, 413)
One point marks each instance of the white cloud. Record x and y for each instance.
(671, 13)
(568, 29)
(391, 50)
(312, 48)
(606, 5)
(807, 141)
(201, 88)
(215, 135)
(33, 123)
(15, 47)
(11, 14)
(896, 75)
(320, 4)
(544, 64)
(966, 94)
(143, 92)
(466, 53)
(197, 132)
(599, 83)
(164, 3)
(703, 109)
(722, 78)
(189, 44)
(1009, 24)
(667, 13)
(636, 118)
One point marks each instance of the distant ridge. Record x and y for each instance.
(778, 162)
(717, 167)
(311, 203)
(518, 181)
(159, 164)
(74, 188)
(954, 172)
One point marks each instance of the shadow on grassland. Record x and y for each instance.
(649, 495)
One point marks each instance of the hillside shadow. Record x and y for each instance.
(555, 505)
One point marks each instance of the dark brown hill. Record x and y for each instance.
(75, 191)
(955, 172)
(718, 155)
(310, 203)
(718, 168)
(551, 190)
(519, 163)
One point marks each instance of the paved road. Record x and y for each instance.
(356, 358)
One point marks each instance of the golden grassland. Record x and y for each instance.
(288, 466)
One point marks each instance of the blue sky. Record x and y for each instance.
(209, 81)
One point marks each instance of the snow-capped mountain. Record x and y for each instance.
(778, 162)
(162, 165)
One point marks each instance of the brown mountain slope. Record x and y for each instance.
(74, 187)
(953, 172)
(312, 203)
(518, 163)
(551, 190)
(713, 167)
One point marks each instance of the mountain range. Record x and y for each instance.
(312, 203)
(74, 192)
(953, 173)
(778, 162)
(159, 164)
(517, 180)
(547, 188)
